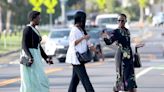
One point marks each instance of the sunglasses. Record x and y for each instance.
(121, 20)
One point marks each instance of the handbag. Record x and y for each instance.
(84, 57)
(25, 61)
(137, 61)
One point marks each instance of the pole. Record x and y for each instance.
(50, 21)
(0, 22)
(63, 11)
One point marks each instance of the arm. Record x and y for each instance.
(43, 53)
(110, 39)
(27, 41)
(74, 35)
(81, 39)
(78, 41)
(46, 58)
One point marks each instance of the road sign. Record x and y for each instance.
(50, 4)
(37, 4)
(50, 11)
(101, 3)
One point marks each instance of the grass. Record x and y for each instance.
(13, 42)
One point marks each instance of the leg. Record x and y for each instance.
(83, 76)
(74, 81)
(133, 90)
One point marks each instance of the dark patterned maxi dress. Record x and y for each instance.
(124, 60)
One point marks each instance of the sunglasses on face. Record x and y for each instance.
(121, 20)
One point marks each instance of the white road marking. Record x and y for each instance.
(143, 72)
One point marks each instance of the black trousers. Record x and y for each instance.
(79, 73)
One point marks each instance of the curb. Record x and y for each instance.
(8, 53)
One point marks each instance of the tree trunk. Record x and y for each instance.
(141, 14)
(8, 18)
(0, 22)
(83, 5)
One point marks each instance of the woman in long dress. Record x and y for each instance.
(33, 77)
(124, 57)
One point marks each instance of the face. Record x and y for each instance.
(37, 20)
(121, 21)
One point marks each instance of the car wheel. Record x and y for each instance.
(61, 60)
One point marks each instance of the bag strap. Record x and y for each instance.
(35, 30)
(22, 51)
(136, 50)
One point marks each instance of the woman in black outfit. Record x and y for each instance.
(124, 57)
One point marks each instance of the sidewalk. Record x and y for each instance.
(8, 57)
(8, 53)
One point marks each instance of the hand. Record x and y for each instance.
(104, 35)
(92, 48)
(139, 45)
(49, 60)
(30, 62)
(86, 36)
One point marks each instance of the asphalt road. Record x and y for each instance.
(102, 74)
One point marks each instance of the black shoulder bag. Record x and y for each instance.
(84, 57)
(137, 61)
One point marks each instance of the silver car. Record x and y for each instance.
(57, 43)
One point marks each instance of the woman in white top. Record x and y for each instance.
(78, 42)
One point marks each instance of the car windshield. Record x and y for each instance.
(107, 21)
(94, 34)
(59, 34)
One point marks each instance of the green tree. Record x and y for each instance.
(101, 5)
(22, 8)
(142, 5)
(76, 4)
(3, 5)
(93, 6)
(71, 3)
(112, 5)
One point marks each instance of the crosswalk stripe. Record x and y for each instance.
(13, 80)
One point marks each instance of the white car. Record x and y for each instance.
(108, 20)
(57, 43)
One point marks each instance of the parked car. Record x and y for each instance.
(57, 43)
(94, 39)
(108, 51)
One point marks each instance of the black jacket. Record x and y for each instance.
(31, 39)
